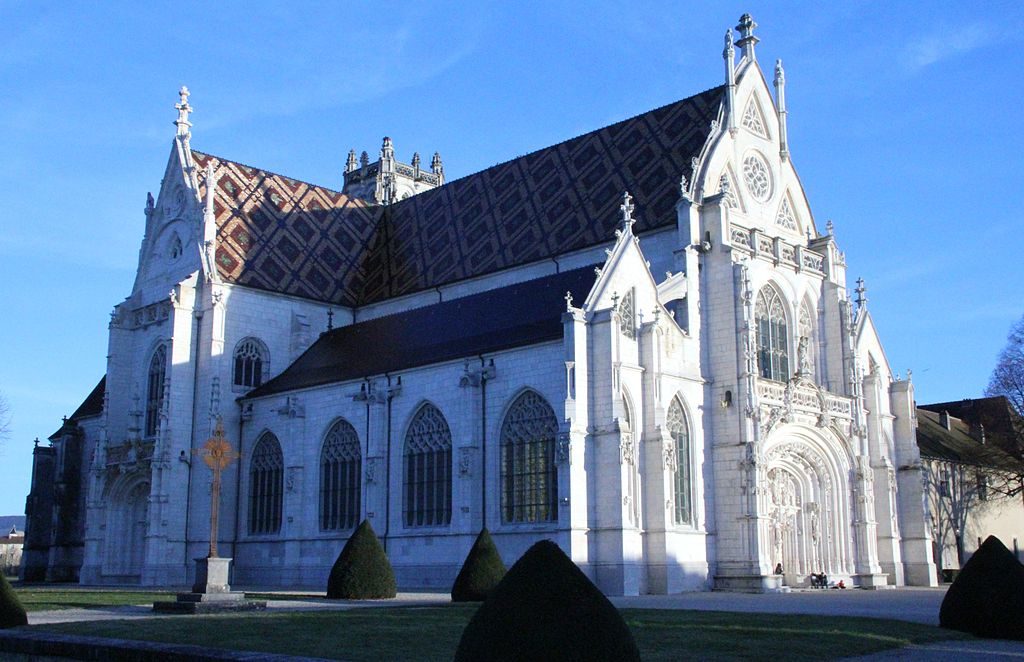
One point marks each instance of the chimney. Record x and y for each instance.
(944, 420)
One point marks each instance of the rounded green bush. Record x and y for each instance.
(546, 609)
(362, 571)
(481, 571)
(987, 597)
(12, 614)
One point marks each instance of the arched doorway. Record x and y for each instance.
(807, 503)
(125, 539)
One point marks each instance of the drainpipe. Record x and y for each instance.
(387, 470)
(486, 373)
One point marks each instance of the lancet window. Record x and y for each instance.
(772, 335)
(785, 218)
(340, 478)
(752, 120)
(529, 477)
(155, 390)
(627, 323)
(683, 482)
(250, 358)
(428, 469)
(266, 485)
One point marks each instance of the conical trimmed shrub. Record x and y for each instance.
(12, 614)
(546, 609)
(987, 597)
(362, 571)
(481, 571)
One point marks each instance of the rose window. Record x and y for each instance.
(757, 178)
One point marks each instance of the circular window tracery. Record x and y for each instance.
(757, 177)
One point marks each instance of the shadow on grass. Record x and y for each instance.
(432, 633)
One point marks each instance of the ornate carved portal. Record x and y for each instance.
(806, 513)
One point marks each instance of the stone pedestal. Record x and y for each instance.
(211, 592)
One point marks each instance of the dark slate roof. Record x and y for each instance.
(957, 444)
(91, 406)
(514, 316)
(285, 235)
(1001, 424)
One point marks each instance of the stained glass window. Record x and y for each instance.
(772, 335)
(250, 356)
(428, 469)
(340, 478)
(529, 477)
(155, 390)
(683, 485)
(266, 485)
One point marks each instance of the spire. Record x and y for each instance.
(416, 165)
(780, 99)
(862, 295)
(437, 167)
(351, 164)
(364, 159)
(747, 39)
(211, 185)
(729, 55)
(183, 111)
(627, 213)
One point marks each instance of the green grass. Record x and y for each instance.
(432, 633)
(35, 598)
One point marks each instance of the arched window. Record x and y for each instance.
(155, 390)
(266, 485)
(529, 477)
(340, 478)
(428, 469)
(680, 431)
(772, 335)
(250, 355)
(629, 453)
(175, 250)
(627, 323)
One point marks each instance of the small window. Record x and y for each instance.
(175, 250)
(683, 487)
(250, 359)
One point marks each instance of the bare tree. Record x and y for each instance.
(1007, 380)
(956, 491)
(5, 418)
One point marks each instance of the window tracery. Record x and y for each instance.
(175, 249)
(752, 120)
(155, 390)
(340, 478)
(428, 469)
(626, 316)
(266, 483)
(728, 194)
(250, 357)
(785, 217)
(529, 476)
(757, 177)
(683, 485)
(772, 335)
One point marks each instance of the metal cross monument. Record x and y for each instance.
(218, 454)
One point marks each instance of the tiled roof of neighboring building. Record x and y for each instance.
(994, 414)
(285, 235)
(514, 316)
(958, 443)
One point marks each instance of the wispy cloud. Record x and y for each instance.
(950, 42)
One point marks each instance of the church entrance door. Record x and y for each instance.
(125, 540)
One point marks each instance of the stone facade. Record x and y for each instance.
(713, 406)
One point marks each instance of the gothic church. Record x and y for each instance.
(636, 343)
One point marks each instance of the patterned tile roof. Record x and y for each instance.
(284, 235)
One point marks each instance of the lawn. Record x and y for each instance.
(37, 598)
(432, 633)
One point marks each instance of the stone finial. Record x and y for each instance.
(183, 112)
(364, 159)
(830, 228)
(211, 186)
(150, 204)
(568, 300)
(862, 295)
(416, 160)
(780, 74)
(729, 52)
(780, 97)
(747, 40)
(627, 212)
(730, 80)
(437, 167)
(330, 319)
(387, 149)
(351, 164)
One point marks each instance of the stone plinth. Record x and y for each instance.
(211, 592)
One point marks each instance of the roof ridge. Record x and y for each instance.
(277, 174)
(568, 140)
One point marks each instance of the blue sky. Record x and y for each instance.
(904, 125)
